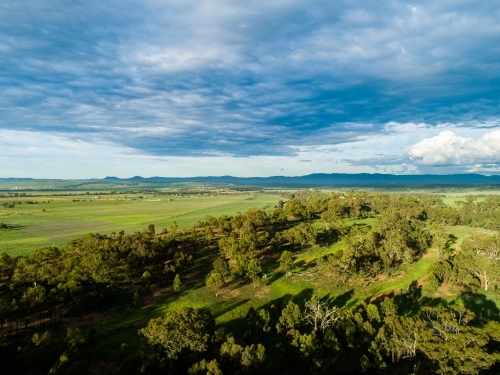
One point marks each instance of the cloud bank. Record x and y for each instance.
(449, 149)
(267, 78)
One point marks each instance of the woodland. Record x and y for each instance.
(333, 250)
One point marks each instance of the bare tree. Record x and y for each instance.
(319, 315)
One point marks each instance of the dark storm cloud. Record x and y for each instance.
(260, 78)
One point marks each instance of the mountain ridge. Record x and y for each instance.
(310, 180)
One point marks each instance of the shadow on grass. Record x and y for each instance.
(302, 266)
(15, 227)
(238, 326)
(342, 299)
(271, 278)
(480, 305)
(225, 307)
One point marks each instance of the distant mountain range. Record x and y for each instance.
(312, 180)
(333, 179)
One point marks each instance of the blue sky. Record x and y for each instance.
(180, 88)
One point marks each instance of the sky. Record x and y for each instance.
(91, 88)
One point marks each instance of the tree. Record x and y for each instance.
(236, 356)
(253, 271)
(177, 283)
(455, 343)
(303, 234)
(290, 317)
(253, 356)
(146, 279)
(205, 368)
(209, 234)
(180, 332)
(214, 281)
(286, 262)
(173, 227)
(220, 266)
(319, 315)
(240, 266)
(479, 256)
(440, 240)
(295, 208)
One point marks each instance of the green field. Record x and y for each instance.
(55, 223)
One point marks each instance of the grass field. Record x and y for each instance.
(55, 223)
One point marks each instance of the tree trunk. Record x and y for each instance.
(486, 282)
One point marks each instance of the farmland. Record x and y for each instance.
(329, 236)
(56, 219)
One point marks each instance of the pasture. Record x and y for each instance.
(54, 219)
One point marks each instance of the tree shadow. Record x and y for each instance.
(238, 325)
(408, 302)
(480, 305)
(342, 299)
(227, 308)
(302, 297)
(433, 302)
(271, 278)
(302, 266)
(15, 226)
(452, 240)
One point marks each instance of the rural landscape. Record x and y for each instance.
(204, 279)
(219, 187)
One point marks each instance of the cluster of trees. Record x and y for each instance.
(475, 266)
(367, 252)
(319, 337)
(53, 281)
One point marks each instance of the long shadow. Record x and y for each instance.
(302, 297)
(303, 266)
(271, 278)
(408, 302)
(228, 308)
(342, 299)
(433, 302)
(16, 226)
(238, 326)
(480, 305)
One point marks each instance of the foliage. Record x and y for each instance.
(180, 332)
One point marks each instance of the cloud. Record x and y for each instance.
(449, 149)
(267, 78)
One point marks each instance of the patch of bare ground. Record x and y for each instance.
(421, 281)
(445, 290)
(262, 292)
(230, 294)
(381, 296)
(381, 277)
(86, 319)
(429, 255)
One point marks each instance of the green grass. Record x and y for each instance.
(55, 223)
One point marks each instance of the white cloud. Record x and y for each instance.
(41, 155)
(448, 148)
